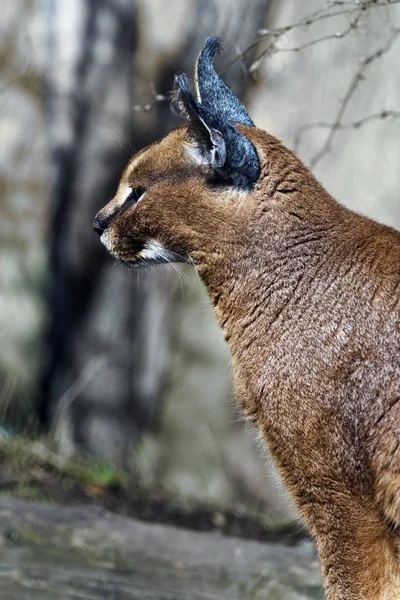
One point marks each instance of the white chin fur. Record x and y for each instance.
(104, 239)
(154, 251)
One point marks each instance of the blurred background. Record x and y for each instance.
(130, 367)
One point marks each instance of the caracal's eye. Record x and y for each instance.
(134, 196)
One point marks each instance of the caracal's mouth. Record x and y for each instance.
(152, 253)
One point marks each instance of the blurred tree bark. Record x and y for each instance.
(24, 190)
(110, 336)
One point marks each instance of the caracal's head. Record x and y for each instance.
(178, 196)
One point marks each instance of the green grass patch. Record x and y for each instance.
(21, 455)
(28, 491)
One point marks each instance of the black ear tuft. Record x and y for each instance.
(222, 146)
(212, 45)
(212, 91)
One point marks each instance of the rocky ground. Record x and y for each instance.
(49, 552)
(73, 530)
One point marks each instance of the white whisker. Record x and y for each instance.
(179, 275)
(195, 269)
(185, 278)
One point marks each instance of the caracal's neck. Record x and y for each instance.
(265, 256)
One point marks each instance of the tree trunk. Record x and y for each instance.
(110, 334)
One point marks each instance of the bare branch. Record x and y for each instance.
(384, 114)
(333, 126)
(328, 12)
(354, 83)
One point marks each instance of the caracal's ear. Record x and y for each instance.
(218, 142)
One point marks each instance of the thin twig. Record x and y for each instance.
(332, 36)
(61, 419)
(150, 105)
(384, 114)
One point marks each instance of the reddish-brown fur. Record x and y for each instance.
(308, 296)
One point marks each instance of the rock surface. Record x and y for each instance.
(49, 552)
